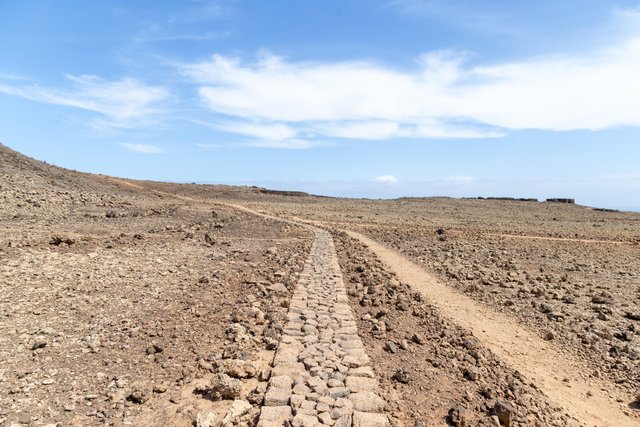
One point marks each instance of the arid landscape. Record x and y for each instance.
(127, 303)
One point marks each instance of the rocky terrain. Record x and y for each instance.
(575, 282)
(118, 307)
(129, 302)
(569, 274)
(587, 298)
(418, 355)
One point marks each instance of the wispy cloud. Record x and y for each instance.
(468, 16)
(153, 37)
(191, 23)
(264, 135)
(387, 179)
(208, 146)
(288, 144)
(461, 179)
(121, 103)
(266, 131)
(444, 97)
(9, 76)
(141, 148)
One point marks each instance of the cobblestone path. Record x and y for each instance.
(321, 373)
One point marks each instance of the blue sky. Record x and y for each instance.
(347, 98)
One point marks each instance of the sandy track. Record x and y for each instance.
(557, 239)
(558, 375)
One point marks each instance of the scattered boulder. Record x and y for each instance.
(207, 419)
(632, 316)
(277, 288)
(546, 308)
(160, 388)
(38, 344)
(471, 374)
(601, 298)
(222, 386)
(458, 416)
(505, 412)
(402, 376)
(390, 347)
(236, 368)
(418, 339)
(272, 250)
(58, 240)
(139, 393)
(155, 348)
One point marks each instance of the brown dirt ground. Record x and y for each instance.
(567, 274)
(93, 277)
(97, 270)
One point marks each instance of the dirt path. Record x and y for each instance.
(558, 375)
(365, 225)
(118, 181)
(557, 239)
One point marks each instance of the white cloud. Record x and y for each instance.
(141, 148)
(460, 179)
(387, 179)
(267, 131)
(359, 129)
(444, 97)
(289, 144)
(122, 103)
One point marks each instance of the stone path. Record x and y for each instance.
(321, 373)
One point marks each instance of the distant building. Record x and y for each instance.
(569, 201)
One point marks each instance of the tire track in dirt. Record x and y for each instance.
(559, 376)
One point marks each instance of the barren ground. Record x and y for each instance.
(568, 274)
(133, 305)
(120, 300)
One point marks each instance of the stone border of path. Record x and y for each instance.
(321, 373)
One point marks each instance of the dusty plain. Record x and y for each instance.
(128, 302)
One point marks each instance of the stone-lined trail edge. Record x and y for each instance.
(321, 374)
